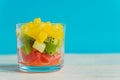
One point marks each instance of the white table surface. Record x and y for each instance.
(77, 67)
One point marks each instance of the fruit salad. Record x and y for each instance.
(40, 43)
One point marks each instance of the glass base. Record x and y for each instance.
(39, 68)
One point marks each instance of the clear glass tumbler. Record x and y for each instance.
(40, 47)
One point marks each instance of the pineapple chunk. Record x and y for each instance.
(54, 30)
(31, 29)
(58, 27)
(42, 36)
(37, 20)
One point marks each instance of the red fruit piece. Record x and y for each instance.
(36, 58)
(56, 59)
(46, 58)
(32, 59)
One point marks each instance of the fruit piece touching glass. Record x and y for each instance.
(40, 46)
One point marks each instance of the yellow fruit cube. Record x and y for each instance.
(47, 27)
(57, 31)
(37, 20)
(23, 27)
(58, 27)
(42, 36)
(41, 30)
(31, 29)
(60, 36)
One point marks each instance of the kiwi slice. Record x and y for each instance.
(51, 45)
(27, 43)
(26, 48)
(26, 39)
(50, 48)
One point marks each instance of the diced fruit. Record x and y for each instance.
(51, 45)
(59, 27)
(32, 59)
(42, 36)
(27, 43)
(47, 27)
(31, 29)
(59, 44)
(37, 58)
(54, 31)
(37, 20)
(26, 48)
(39, 46)
(56, 59)
(23, 28)
(40, 43)
(50, 48)
(51, 40)
(46, 58)
(26, 39)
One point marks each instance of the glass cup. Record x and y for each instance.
(37, 56)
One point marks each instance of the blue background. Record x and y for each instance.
(91, 25)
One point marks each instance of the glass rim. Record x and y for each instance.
(38, 23)
(64, 25)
